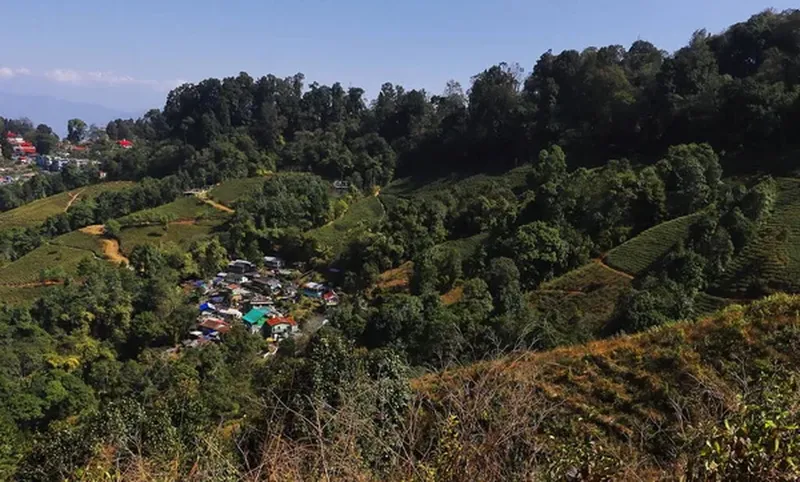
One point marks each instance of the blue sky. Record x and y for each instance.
(127, 55)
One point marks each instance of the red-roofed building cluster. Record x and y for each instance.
(22, 149)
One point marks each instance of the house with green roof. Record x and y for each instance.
(256, 318)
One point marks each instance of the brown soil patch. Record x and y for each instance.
(219, 206)
(94, 230)
(112, 252)
(111, 248)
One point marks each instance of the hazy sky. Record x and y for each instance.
(129, 54)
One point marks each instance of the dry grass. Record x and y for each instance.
(396, 279)
(453, 296)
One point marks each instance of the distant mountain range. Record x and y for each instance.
(56, 112)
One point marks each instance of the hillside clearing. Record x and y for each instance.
(33, 214)
(361, 216)
(515, 179)
(228, 192)
(185, 208)
(28, 268)
(181, 233)
(86, 239)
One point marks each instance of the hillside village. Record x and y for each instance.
(263, 299)
(25, 161)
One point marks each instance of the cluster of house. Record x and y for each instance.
(22, 150)
(258, 298)
(56, 164)
(25, 152)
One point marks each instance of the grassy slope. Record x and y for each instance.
(81, 240)
(362, 215)
(27, 268)
(181, 209)
(33, 214)
(21, 296)
(583, 302)
(514, 179)
(620, 393)
(229, 191)
(639, 253)
(180, 234)
(774, 255)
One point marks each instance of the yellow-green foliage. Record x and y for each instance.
(771, 261)
(229, 191)
(28, 268)
(639, 253)
(361, 216)
(180, 234)
(34, 214)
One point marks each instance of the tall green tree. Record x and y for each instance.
(76, 130)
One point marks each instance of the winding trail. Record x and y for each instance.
(111, 248)
(203, 196)
(218, 206)
(73, 198)
(35, 284)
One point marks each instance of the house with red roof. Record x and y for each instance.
(282, 326)
(330, 298)
(211, 325)
(125, 144)
(24, 149)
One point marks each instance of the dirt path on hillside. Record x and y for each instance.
(111, 248)
(73, 198)
(219, 206)
(36, 284)
(602, 263)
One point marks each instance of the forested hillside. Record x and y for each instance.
(469, 271)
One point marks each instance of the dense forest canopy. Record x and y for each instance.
(556, 168)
